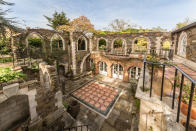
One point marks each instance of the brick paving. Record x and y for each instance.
(97, 96)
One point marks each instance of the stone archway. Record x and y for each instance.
(82, 44)
(119, 46)
(56, 35)
(102, 41)
(182, 44)
(83, 62)
(135, 48)
(35, 34)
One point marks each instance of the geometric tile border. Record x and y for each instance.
(97, 96)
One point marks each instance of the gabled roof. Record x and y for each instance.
(185, 27)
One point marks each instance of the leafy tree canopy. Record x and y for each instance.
(57, 19)
(80, 24)
(6, 23)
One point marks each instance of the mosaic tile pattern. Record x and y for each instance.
(97, 96)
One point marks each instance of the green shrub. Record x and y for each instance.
(5, 46)
(35, 42)
(6, 75)
(5, 60)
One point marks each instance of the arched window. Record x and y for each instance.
(166, 45)
(140, 44)
(81, 44)
(117, 71)
(102, 68)
(182, 46)
(134, 72)
(57, 42)
(35, 45)
(35, 41)
(118, 44)
(102, 44)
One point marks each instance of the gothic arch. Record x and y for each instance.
(82, 63)
(33, 33)
(101, 39)
(58, 35)
(84, 38)
(182, 44)
(124, 44)
(141, 36)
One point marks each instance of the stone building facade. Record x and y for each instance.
(83, 49)
(184, 40)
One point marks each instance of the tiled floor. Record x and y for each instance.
(97, 96)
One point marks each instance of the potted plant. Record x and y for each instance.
(185, 102)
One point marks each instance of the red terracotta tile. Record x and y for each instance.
(109, 100)
(112, 96)
(96, 98)
(106, 104)
(92, 102)
(101, 101)
(87, 99)
(103, 108)
(97, 105)
(104, 97)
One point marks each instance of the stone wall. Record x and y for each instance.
(126, 64)
(191, 42)
(13, 111)
(155, 39)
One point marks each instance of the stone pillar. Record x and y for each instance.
(90, 45)
(32, 105)
(73, 51)
(97, 67)
(158, 45)
(14, 40)
(109, 70)
(125, 76)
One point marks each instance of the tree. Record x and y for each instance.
(118, 25)
(6, 23)
(184, 23)
(80, 24)
(58, 19)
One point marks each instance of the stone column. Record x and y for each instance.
(125, 75)
(73, 51)
(90, 45)
(97, 67)
(32, 105)
(109, 70)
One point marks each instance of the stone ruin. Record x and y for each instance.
(39, 104)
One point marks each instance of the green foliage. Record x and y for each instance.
(137, 102)
(6, 75)
(5, 60)
(118, 43)
(166, 45)
(184, 23)
(58, 19)
(57, 42)
(5, 23)
(93, 68)
(102, 44)
(5, 47)
(186, 95)
(65, 104)
(35, 42)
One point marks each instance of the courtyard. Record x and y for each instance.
(95, 66)
(120, 113)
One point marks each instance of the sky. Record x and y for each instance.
(145, 13)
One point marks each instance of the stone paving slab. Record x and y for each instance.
(97, 96)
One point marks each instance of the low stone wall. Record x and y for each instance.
(13, 111)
